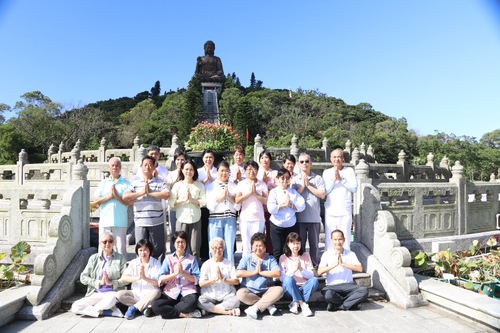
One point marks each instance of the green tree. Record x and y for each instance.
(491, 139)
(11, 144)
(136, 122)
(193, 108)
(229, 104)
(38, 120)
(155, 91)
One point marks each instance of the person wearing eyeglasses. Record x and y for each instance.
(312, 188)
(251, 194)
(173, 177)
(178, 277)
(102, 277)
(282, 204)
(217, 281)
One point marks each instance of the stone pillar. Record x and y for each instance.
(294, 148)
(370, 155)
(141, 152)
(326, 148)
(430, 163)
(458, 178)
(75, 152)
(79, 172)
(210, 91)
(257, 148)
(52, 150)
(59, 153)
(354, 157)
(404, 164)
(362, 151)
(102, 151)
(23, 160)
(347, 152)
(174, 148)
(135, 148)
(362, 170)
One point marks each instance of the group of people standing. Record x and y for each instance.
(278, 212)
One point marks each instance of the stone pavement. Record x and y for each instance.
(373, 317)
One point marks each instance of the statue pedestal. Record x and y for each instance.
(210, 103)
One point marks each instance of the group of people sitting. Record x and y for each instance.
(277, 211)
(178, 288)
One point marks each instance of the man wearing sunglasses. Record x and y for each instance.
(312, 188)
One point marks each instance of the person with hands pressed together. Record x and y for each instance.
(188, 196)
(147, 194)
(340, 183)
(258, 270)
(114, 215)
(142, 272)
(283, 203)
(173, 177)
(312, 188)
(217, 281)
(251, 194)
(338, 263)
(206, 175)
(297, 275)
(220, 202)
(102, 278)
(178, 278)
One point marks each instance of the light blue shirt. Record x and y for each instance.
(113, 212)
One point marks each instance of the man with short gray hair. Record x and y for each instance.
(312, 188)
(108, 196)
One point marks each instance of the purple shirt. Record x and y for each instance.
(180, 285)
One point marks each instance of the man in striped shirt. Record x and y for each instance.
(147, 194)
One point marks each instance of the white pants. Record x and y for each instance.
(247, 229)
(343, 223)
(94, 303)
(120, 240)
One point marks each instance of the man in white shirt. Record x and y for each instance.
(340, 183)
(341, 293)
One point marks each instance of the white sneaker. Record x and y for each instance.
(251, 311)
(116, 312)
(195, 314)
(305, 310)
(294, 307)
(273, 310)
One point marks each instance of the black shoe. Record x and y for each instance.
(331, 308)
(148, 312)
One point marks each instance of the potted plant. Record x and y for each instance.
(476, 269)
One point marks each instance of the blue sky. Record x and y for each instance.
(436, 63)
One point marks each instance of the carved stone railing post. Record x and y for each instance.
(60, 152)
(362, 151)
(258, 147)
(326, 149)
(294, 148)
(52, 150)
(402, 161)
(354, 156)
(23, 160)
(174, 148)
(102, 151)
(75, 152)
(458, 178)
(370, 155)
(362, 170)
(134, 156)
(347, 153)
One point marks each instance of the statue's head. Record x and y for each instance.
(209, 47)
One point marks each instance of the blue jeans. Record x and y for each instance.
(224, 228)
(299, 293)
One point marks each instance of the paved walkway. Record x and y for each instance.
(373, 317)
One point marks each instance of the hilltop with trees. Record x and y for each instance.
(275, 114)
